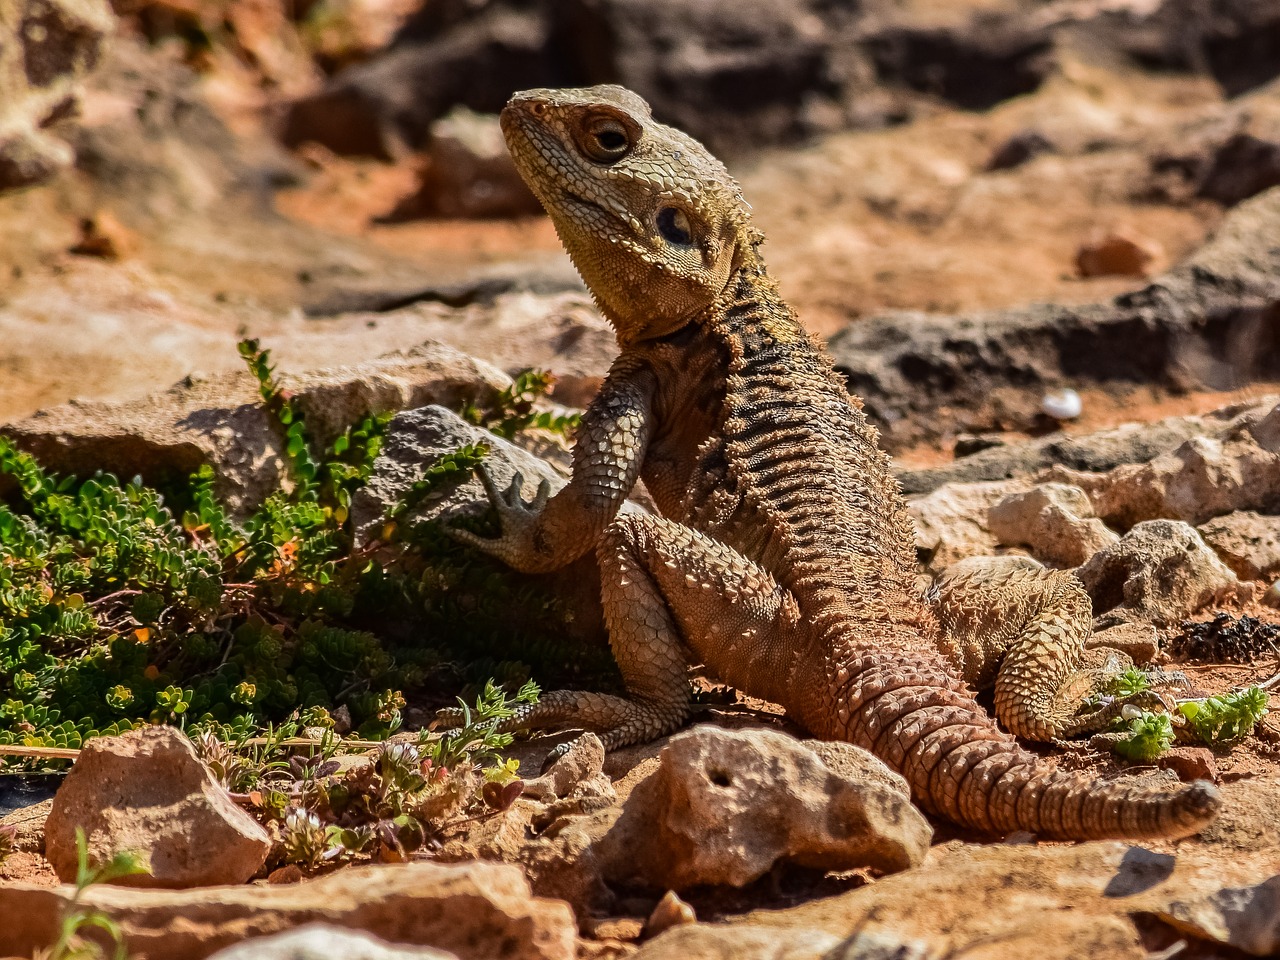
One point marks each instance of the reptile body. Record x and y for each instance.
(783, 559)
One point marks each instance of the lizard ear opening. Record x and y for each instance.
(675, 226)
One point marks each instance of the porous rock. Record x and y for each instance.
(414, 442)
(146, 791)
(951, 522)
(47, 47)
(1247, 542)
(28, 826)
(724, 806)
(1055, 520)
(219, 420)
(1090, 453)
(322, 942)
(1161, 571)
(583, 762)
(1007, 900)
(1203, 478)
(719, 942)
(477, 911)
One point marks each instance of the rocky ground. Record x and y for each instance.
(1043, 240)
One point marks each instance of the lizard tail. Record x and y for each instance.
(924, 723)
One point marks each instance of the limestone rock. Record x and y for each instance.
(1203, 478)
(1248, 918)
(1002, 901)
(28, 822)
(725, 806)
(218, 420)
(1138, 639)
(46, 49)
(1247, 542)
(476, 911)
(417, 439)
(146, 791)
(1055, 520)
(952, 521)
(1160, 571)
(584, 762)
(320, 941)
(1091, 453)
(721, 942)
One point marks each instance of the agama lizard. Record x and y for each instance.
(783, 559)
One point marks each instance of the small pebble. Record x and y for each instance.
(670, 912)
(1062, 405)
(1272, 597)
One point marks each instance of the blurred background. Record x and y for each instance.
(329, 176)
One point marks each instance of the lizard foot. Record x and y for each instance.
(518, 520)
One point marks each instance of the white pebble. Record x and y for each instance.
(1062, 405)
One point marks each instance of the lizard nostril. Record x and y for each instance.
(537, 109)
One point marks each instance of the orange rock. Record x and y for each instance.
(1118, 254)
(102, 235)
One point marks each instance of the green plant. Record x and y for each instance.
(1145, 737)
(75, 918)
(1227, 717)
(512, 410)
(114, 613)
(117, 607)
(476, 735)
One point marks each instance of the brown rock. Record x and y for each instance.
(725, 806)
(219, 420)
(46, 49)
(28, 824)
(670, 912)
(1139, 640)
(1161, 571)
(1055, 520)
(1118, 254)
(1247, 542)
(1190, 763)
(583, 762)
(477, 911)
(951, 522)
(1050, 902)
(146, 791)
(1203, 478)
(468, 173)
(720, 942)
(102, 235)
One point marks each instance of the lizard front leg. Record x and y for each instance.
(669, 591)
(608, 452)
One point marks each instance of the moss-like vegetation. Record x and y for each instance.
(115, 609)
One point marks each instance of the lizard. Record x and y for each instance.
(782, 557)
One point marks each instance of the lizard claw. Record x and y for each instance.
(516, 517)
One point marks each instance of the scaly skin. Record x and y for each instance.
(1010, 625)
(783, 560)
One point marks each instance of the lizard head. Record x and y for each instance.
(653, 222)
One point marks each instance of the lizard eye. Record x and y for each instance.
(673, 224)
(605, 140)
